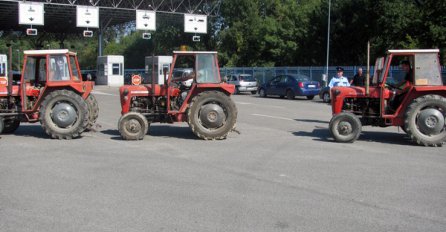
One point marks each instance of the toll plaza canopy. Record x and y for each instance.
(60, 15)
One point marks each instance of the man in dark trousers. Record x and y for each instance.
(358, 79)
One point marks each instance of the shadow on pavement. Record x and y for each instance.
(311, 121)
(323, 134)
(386, 137)
(318, 134)
(35, 131)
(111, 132)
(159, 131)
(172, 131)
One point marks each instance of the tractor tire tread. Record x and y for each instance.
(84, 115)
(196, 100)
(125, 136)
(409, 120)
(93, 107)
(334, 122)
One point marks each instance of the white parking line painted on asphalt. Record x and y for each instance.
(102, 93)
(254, 104)
(269, 116)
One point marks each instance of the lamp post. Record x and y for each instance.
(9, 45)
(328, 40)
(18, 60)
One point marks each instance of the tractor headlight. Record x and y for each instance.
(125, 92)
(337, 92)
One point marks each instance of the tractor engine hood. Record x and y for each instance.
(338, 94)
(354, 91)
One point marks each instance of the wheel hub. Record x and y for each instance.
(345, 128)
(133, 126)
(212, 116)
(64, 115)
(431, 121)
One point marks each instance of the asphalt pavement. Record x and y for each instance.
(283, 172)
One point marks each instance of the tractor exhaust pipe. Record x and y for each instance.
(153, 79)
(10, 75)
(367, 79)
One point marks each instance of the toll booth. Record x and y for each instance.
(110, 71)
(3, 70)
(159, 63)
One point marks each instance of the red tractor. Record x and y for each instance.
(50, 90)
(199, 98)
(414, 100)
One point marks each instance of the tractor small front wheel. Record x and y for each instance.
(11, 125)
(345, 127)
(133, 126)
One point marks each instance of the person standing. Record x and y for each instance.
(358, 79)
(339, 79)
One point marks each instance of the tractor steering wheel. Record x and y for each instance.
(391, 86)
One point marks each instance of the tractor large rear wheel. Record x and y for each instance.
(425, 120)
(133, 126)
(64, 114)
(212, 115)
(93, 108)
(345, 127)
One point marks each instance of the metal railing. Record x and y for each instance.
(264, 74)
(314, 72)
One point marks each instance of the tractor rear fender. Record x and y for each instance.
(419, 91)
(82, 88)
(413, 94)
(228, 89)
(423, 90)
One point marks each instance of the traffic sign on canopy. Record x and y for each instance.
(31, 13)
(87, 16)
(145, 20)
(195, 24)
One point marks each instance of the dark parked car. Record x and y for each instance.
(325, 94)
(290, 86)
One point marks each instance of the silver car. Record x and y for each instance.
(243, 83)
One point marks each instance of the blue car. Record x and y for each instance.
(290, 86)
